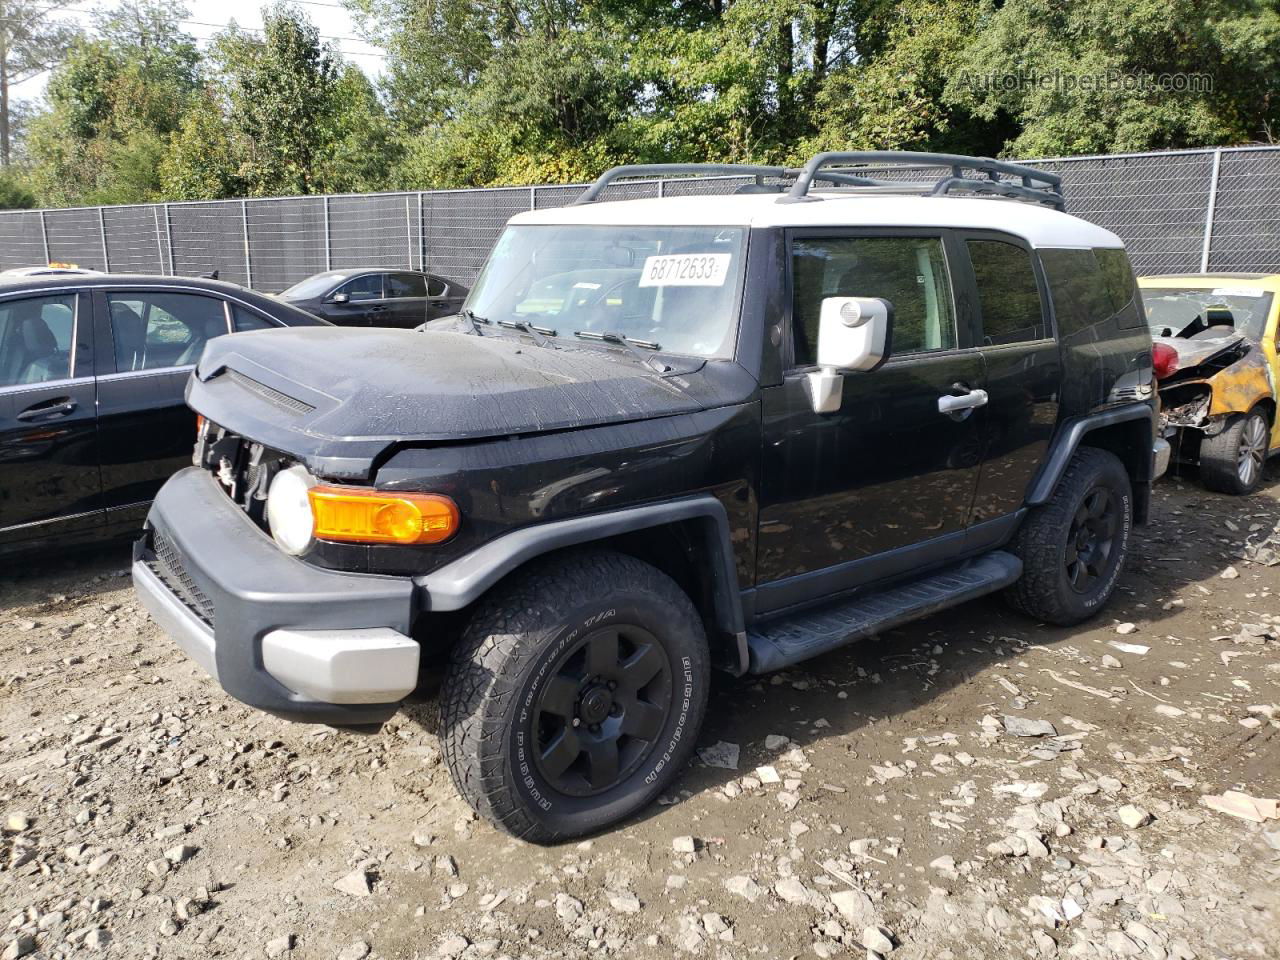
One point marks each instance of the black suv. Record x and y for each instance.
(735, 430)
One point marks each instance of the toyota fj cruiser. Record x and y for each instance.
(664, 434)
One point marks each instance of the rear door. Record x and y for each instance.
(48, 422)
(406, 299)
(1023, 369)
(885, 484)
(153, 337)
(444, 299)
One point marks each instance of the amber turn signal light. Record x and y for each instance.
(359, 515)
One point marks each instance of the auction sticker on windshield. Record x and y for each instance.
(686, 270)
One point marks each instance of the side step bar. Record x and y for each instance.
(787, 640)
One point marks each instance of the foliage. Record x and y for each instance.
(14, 193)
(30, 40)
(479, 92)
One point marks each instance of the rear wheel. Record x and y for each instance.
(575, 695)
(1073, 547)
(1232, 461)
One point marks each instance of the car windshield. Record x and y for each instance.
(671, 286)
(313, 286)
(1206, 313)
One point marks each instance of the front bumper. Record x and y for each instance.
(279, 634)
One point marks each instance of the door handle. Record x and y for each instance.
(947, 403)
(59, 407)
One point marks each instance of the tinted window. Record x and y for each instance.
(436, 287)
(35, 339)
(1081, 296)
(368, 287)
(1007, 292)
(1121, 287)
(406, 285)
(909, 272)
(242, 319)
(157, 330)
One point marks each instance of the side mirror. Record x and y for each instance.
(853, 334)
(340, 298)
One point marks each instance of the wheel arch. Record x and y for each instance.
(688, 539)
(1127, 431)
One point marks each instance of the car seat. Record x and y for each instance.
(202, 331)
(130, 334)
(43, 361)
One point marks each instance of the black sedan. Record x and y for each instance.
(92, 374)
(377, 297)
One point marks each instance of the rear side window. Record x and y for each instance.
(36, 336)
(157, 330)
(242, 319)
(405, 285)
(909, 272)
(1007, 292)
(436, 287)
(1090, 287)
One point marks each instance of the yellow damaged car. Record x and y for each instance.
(1217, 367)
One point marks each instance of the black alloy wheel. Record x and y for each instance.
(600, 715)
(1091, 539)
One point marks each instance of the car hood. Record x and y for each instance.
(340, 397)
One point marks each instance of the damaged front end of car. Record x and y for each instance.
(1203, 384)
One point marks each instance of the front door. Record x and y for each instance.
(49, 480)
(885, 484)
(406, 299)
(364, 305)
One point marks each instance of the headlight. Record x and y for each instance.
(289, 510)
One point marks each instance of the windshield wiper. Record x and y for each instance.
(630, 343)
(538, 334)
(475, 321)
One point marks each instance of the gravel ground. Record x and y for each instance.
(883, 797)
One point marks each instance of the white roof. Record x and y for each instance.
(1039, 225)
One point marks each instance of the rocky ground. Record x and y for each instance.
(972, 786)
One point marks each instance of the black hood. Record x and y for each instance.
(344, 394)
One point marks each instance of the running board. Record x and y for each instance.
(787, 640)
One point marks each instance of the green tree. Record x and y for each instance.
(29, 42)
(112, 104)
(14, 193)
(1046, 47)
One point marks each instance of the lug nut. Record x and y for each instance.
(577, 722)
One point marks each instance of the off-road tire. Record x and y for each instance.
(507, 658)
(1044, 590)
(1220, 456)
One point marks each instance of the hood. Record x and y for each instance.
(347, 394)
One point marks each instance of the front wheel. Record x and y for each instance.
(1232, 461)
(575, 695)
(1073, 547)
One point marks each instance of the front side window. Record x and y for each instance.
(1207, 313)
(406, 285)
(157, 330)
(909, 272)
(36, 338)
(1007, 292)
(368, 287)
(315, 286)
(673, 286)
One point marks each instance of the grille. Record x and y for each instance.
(168, 567)
(270, 394)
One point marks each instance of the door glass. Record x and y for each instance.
(405, 285)
(35, 339)
(436, 287)
(1007, 291)
(157, 330)
(909, 272)
(368, 287)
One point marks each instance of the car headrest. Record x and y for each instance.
(37, 339)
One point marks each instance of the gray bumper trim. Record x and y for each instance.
(191, 633)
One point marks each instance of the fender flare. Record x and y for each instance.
(463, 581)
(1073, 432)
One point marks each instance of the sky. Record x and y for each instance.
(205, 19)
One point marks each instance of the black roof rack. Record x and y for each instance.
(1031, 184)
(854, 169)
(592, 193)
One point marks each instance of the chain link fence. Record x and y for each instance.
(1177, 211)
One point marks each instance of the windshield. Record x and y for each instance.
(1206, 313)
(313, 286)
(671, 286)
